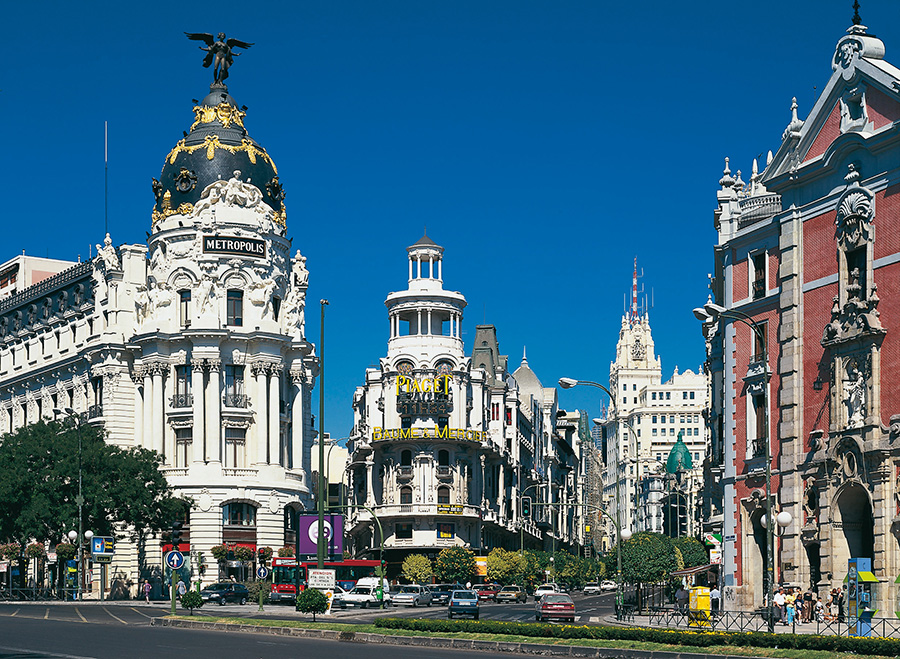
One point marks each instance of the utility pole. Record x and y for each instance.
(320, 542)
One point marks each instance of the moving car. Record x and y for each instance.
(608, 585)
(226, 591)
(365, 597)
(412, 596)
(487, 591)
(440, 593)
(463, 602)
(337, 599)
(556, 606)
(511, 594)
(592, 588)
(544, 589)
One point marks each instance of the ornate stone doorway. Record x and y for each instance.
(854, 535)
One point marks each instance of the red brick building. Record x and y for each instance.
(808, 256)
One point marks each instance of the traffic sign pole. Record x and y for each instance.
(172, 592)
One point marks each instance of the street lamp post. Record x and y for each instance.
(568, 383)
(69, 413)
(320, 540)
(708, 313)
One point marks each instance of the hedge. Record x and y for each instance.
(886, 647)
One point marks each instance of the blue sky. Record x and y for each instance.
(545, 145)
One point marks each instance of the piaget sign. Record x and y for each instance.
(424, 396)
(436, 385)
(435, 432)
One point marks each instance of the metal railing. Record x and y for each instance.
(182, 400)
(95, 411)
(235, 400)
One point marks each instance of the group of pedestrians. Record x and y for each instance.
(792, 605)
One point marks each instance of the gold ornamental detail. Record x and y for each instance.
(224, 113)
(280, 217)
(167, 210)
(211, 143)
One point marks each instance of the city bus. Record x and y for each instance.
(284, 575)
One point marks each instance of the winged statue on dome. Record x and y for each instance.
(219, 52)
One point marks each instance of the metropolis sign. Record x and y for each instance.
(233, 245)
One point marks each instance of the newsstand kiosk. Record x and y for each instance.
(862, 590)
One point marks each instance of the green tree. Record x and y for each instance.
(532, 568)
(692, 550)
(646, 558)
(39, 485)
(191, 600)
(504, 567)
(313, 601)
(416, 568)
(455, 564)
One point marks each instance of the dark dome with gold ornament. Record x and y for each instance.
(216, 146)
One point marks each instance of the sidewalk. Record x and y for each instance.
(753, 623)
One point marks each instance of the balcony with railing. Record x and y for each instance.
(444, 472)
(181, 400)
(94, 412)
(404, 472)
(758, 208)
(235, 400)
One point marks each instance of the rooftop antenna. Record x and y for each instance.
(856, 19)
(105, 177)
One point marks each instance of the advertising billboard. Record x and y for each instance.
(308, 534)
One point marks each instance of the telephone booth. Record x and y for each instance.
(862, 595)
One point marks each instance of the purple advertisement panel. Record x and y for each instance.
(308, 534)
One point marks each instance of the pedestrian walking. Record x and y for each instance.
(840, 603)
(778, 599)
(146, 587)
(715, 598)
(789, 607)
(181, 589)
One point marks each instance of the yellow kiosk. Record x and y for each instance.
(699, 607)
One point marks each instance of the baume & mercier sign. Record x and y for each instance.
(232, 245)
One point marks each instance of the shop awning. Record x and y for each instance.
(689, 571)
(864, 577)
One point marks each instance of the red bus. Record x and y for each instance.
(284, 575)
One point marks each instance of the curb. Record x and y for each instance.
(448, 643)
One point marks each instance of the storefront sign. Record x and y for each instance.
(423, 396)
(435, 432)
(449, 509)
(233, 245)
(445, 531)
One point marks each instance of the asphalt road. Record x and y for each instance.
(40, 638)
(588, 610)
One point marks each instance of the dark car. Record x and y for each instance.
(226, 591)
(440, 593)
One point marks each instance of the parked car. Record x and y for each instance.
(226, 591)
(440, 593)
(608, 585)
(463, 602)
(592, 588)
(412, 596)
(556, 606)
(511, 594)
(365, 597)
(487, 592)
(544, 589)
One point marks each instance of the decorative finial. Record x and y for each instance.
(856, 19)
(726, 181)
(219, 54)
(524, 358)
(852, 174)
(769, 158)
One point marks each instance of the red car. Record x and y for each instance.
(487, 591)
(555, 606)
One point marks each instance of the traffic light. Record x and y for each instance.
(176, 534)
(261, 555)
(526, 507)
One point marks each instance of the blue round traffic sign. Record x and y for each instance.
(262, 572)
(175, 559)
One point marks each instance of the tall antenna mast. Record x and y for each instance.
(634, 290)
(105, 177)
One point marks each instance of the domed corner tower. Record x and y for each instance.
(418, 451)
(222, 369)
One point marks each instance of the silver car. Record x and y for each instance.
(413, 596)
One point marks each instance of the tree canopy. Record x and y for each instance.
(646, 558)
(455, 564)
(416, 568)
(505, 567)
(39, 484)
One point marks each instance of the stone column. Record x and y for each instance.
(261, 408)
(297, 421)
(198, 434)
(274, 414)
(370, 484)
(158, 440)
(213, 442)
(501, 491)
(137, 378)
(147, 425)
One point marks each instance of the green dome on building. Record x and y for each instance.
(679, 458)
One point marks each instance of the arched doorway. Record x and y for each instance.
(854, 524)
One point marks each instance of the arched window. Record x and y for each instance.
(406, 458)
(443, 494)
(444, 458)
(238, 514)
(406, 494)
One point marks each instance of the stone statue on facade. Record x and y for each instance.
(294, 313)
(206, 296)
(855, 398)
(261, 296)
(107, 254)
(161, 296)
(301, 274)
